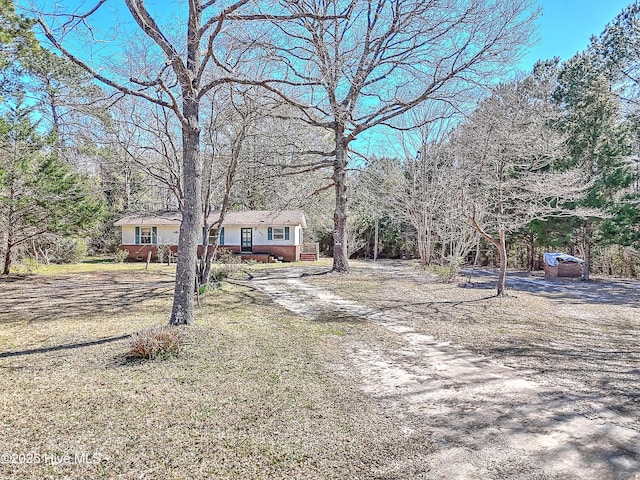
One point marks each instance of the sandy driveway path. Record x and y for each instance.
(487, 420)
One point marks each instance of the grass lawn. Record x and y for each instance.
(256, 393)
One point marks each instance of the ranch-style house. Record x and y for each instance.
(262, 235)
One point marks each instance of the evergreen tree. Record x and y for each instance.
(597, 140)
(15, 33)
(38, 192)
(618, 51)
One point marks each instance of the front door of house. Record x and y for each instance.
(246, 244)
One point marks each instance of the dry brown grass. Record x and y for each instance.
(254, 394)
(258, 392)
(588, 346)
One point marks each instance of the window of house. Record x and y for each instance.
(146, 235)
(278, 233)
(212, 237)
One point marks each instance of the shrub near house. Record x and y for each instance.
(258, 234)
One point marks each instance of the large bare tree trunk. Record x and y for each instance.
(190, 227)
(502, 274)
(340, 259)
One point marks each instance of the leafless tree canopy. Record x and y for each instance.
(355, 65)
(507, 147)
(346, 66)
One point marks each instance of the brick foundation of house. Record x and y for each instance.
(140, 252)
(288, 253)
(260, 253)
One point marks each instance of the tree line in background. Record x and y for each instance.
(251, 106)
(547, 161)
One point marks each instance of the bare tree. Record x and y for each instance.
(361, 64)
(175, 71)
(423, 187)
(507, 147)
(146, 137)
(228, 129)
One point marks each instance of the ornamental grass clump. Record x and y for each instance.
(157, 342)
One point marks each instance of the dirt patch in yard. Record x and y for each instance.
(41, 298)
(62, 310)
(535, 385)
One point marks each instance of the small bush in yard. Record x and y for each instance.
(448, 272)
(164, 251)
(30, 264)
(157, 342)
(120, 256)
(226, 264)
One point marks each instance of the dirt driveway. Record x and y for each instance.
(535, 386)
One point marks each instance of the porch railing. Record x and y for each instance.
(311, 248)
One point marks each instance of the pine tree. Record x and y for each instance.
(597, 140)
(38, 192)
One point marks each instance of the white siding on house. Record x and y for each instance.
(261, 235)
(128, 235)
(231, 235)
(167, 234)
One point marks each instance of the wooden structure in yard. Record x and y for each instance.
(562, 265)
(564, 269)
(310, 252)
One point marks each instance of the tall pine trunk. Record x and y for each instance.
(9, 242)
(375, 241)
(7, 259)
(340, 259)
(531, 253)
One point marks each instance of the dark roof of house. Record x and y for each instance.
(244, 218)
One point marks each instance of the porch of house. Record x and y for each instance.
(256, 257)
(307, 252)
(310, 252)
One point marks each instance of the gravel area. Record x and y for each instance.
(540, 384)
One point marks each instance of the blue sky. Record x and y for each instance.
(566, 26)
